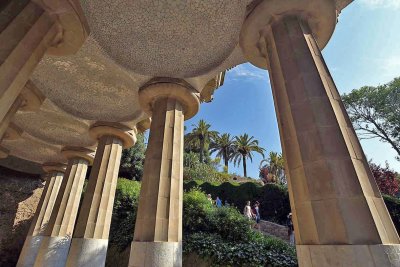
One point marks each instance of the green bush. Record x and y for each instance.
(274, 199)
(124, 213)
(266, 251)
(224, 237)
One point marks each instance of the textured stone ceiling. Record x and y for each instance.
(166, 38)
(130, 43)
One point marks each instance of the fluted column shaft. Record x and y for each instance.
(90, 239)
(26, 32)
(58, 234)
(334, 198)
(40, 220)
(158, 227)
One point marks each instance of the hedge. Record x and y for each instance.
(274, 199)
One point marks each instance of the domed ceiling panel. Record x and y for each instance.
(89, 85)
(55, 126)
(29, 148)
(166, 38)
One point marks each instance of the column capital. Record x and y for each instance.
(180, 90)
(321, 15)
(3, 152)
(31, 98)
(13, 132)
(120, 131)
(79, 153)
(73, 27)
(54, 167)
(143, 125)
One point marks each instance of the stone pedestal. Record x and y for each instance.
(90, 239)
(158, 230)
(57, 236)
(40, 220)
(340, 218)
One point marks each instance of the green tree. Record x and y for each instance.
(275, 168)
(244, 148)
(200, 137)
(132, 160)
(375, 112)
(223, 146)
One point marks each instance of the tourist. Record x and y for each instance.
(227, 203)
(247, 211)
(289, 224)
(257, 214)
(210, 199)
(218, 202)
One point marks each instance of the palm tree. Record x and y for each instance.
(200, 137)
(244, 148)
(223, 146)
(276, 167)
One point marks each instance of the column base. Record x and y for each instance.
(53, 251)
(29, 251)
(87, 252)
(155, 254)
(348, 255)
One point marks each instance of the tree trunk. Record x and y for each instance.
(201, 149)
(244, 166)
(226, 161)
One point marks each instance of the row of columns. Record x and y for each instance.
(53, 239)
(340, 218)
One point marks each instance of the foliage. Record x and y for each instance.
(274, 199)
(259, 252)
(386, 179)
(393, 206)
(223, 146)
(375, 112)
(132, 160)
(195, 211)
(244, 146)
(200, 138)
(224, 236)
(274, 170)
(196, 170)
(124, 213)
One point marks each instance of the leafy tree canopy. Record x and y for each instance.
(375, 112)
(132, 160)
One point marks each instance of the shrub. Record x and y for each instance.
(195, 209)
(274, 199)
(124, 213)
(266, 251)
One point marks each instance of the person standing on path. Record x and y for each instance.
(218, 202)
(289, 224)
(247, 211)
(257, 215)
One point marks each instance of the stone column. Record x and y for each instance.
(339, 215)
(55, 173)
(158, 230)
(90, 239)
(26, 31)
(57, 236)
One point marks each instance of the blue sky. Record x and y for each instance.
(364, 50)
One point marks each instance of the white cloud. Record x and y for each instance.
(248, 71)
(381, 3)
(390, 66)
